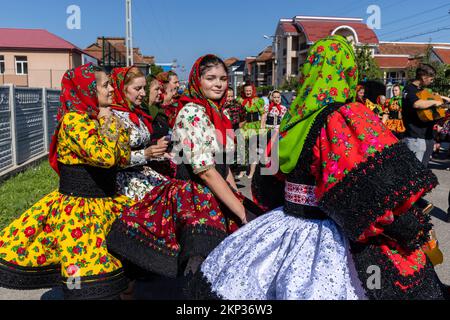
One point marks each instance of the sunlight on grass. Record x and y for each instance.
(22, 191)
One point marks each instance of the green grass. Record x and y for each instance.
(22, 191)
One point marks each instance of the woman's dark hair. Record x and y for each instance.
(172, 74)
(151, 78)
(210, 62)
(247, 84)
(425, 69)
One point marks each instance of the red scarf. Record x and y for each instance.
(214, 110)
(171, 112)
(78, 94)
(121, 103)
(277, 106)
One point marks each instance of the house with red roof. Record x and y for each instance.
(441, 53)
(111, 53)
(36, 58)
(394, 58)
(293, 37)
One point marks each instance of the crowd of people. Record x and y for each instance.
(147, 189)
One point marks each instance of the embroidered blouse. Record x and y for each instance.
(102, 143)
(195, 134)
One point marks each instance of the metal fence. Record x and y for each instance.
(27, 122)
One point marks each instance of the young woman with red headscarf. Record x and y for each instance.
(204, 136)
(170, 86)
(360, 94)
(61, 239)
(251, 129)
(177, 220)
(274, 112)
(137, 178)
(160, 124)
(394, 111)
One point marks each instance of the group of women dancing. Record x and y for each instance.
(390, 110)
(145, 188)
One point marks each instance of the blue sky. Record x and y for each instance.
(187, 29)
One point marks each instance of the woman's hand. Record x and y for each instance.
(104, 113)
(242, 215)
(263, 121)
(158, 150)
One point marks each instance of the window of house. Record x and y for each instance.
(294, 66)
(295, 44)
(2, 64)
(392, 75)
(21, 65)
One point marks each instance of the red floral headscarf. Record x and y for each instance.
(163, 79)
(121, 103)
(359, 87)
(78, 94)
(213, 109)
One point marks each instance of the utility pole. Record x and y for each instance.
(129, 36)
(275, 62)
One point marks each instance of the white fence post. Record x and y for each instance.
(48, 109)
(12, 108)
(44, 119)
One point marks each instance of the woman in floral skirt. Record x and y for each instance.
(61, 239)
(251, 130)
(176, 219)
(394, 113)
(349, 209)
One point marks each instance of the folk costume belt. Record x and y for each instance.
(300, 200)
(87, 181)
(393, 115)
(273, 120)
(253, 117)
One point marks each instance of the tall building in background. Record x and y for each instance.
(293, 37)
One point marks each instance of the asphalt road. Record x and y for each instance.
(439, 197)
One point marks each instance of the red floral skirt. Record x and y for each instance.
(173, 222)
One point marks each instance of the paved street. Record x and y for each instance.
(438, 197)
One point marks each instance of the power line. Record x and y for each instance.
(396, 3)
(415, 15)
(418, 24)
(424, 33)
(146, 27)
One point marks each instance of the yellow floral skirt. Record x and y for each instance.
(61, 240)
(396, 125)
